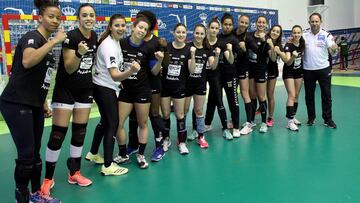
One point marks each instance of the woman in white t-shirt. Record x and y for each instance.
(109, 60)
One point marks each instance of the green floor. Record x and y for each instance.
(316, 164)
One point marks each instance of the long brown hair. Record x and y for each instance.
(107, 32)
(205, 43)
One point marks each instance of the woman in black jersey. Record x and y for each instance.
(196, 82)
(174, 74)
(259, 50)
(215, 96)
(230, 50)
(22, 101)
(136, 90)
(154, 44)
(106, 79)
(72, 96)
(242, 64)
(275, 34)
(293, 74)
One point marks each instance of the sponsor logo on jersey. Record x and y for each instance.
(31, 41)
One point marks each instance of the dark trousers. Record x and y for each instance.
(230, 83)
(323, 76)
(215, 99)
(26, 126)
(107, 102)
(344, 61)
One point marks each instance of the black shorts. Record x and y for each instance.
(273, 73)
(260, 75)
(173, 92)
(243, 71)
(69, 98)
(198, 88)
(140, 95)
(292, 73)
(155, 84)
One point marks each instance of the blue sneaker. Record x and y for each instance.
(131, 150)
(158, 154)
(38, 197)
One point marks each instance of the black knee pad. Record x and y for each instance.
(180, 124)
(57, 137)
(23, 171)
(78, 134)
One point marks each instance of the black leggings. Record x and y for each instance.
(26, 124)
(215, 99)
(107, 102)
(230, 83)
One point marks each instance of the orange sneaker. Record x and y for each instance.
(77, 178)
(46, 186)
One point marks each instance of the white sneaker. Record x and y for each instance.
(253, 124)
(296, 121)
(291, 125)
(248, 128)
(263, 128)
(141, 161)
(236, 133)
(208, 128)
(183, 148)
(194, 134)
(166, 144)
(121, 160)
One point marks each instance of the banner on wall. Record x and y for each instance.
(168, 13)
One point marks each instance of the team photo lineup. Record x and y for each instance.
(144, 77)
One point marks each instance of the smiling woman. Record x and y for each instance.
(24, 96)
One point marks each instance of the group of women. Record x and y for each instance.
(134, 76)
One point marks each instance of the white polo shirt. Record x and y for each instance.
(316, 54)
(108, 55)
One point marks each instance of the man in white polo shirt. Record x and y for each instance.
(318, 44)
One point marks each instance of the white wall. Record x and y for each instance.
(339, 14)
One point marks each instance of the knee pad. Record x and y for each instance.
(200, 124)
(181, 125)
(23, 171)
(78, 134)
(57, 137)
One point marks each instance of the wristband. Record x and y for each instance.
(77, 54)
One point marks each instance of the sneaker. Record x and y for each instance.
(248, 128)
(253, 124)
(22, 196)
(47, 185)
(131, 150)
(291, 125)
(263, 128)
(77, 178)
(166, 144)
(208, 128)
(39, 197)
(270, 122)
(193, 135)
(310, 122)
(227, 135)
(296, 121)
(113, 169)
(96, 158)
(158, 154)
(183, 148)
(202, 142)
(122, 159)
(330, 124)
(141, 161)
(236, 133)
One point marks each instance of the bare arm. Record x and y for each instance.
(156, 68)
(72, 57)
(192, 62)
(117, 75)
(229, 55)
(32, 56)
